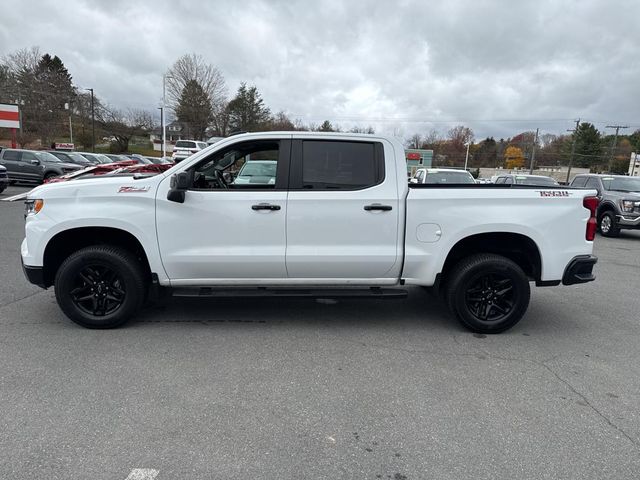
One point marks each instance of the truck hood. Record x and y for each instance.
(626, 195)
(97, 186)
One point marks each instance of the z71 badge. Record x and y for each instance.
(554, 193)
(132, 189)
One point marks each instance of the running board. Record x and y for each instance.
(263, 292)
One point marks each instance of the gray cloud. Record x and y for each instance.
(404, 67)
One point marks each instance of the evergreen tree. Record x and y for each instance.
(588, 146)
(247, 111)
(194, 109)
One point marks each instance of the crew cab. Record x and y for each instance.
(338, 219)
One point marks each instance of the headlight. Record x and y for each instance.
(629, 205)
(31, 207)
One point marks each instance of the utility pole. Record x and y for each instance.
(615, 140)
(573, 147)
(93, 122)
(533, 152)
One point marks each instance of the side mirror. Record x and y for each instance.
(35, 162)
(178, 187)
(413, 180)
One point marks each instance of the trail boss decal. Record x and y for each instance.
(132, 189)
(554, 193)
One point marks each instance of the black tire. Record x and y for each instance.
(100, 286)
(50, 175)
(608, 224)
(487, 293)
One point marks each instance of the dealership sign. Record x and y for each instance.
(9, 116)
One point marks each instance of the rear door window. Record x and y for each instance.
(337, 165)
(11, 155)
(579, 182)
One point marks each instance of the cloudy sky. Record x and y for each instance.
(404, 67)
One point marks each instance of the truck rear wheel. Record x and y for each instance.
(100, 286)
(488, 293)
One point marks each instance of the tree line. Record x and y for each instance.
(591, 149)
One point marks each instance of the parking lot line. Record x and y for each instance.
(142, 474)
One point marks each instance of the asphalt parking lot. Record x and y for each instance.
(355, 389)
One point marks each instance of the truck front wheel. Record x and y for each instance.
(100, 286)
(608, 224)
(488, 293)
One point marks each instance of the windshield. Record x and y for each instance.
(76, 157)
(449, 177)
(622, 184)
(185, 144)
(522, 180)
(47, 157)
(258, 169)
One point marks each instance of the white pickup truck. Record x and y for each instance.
(339, 219)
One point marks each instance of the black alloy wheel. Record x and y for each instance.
(487, 293)
(490, 297)
(98, 291)
(101, 286)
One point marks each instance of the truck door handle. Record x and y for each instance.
(377, 206)
(265, 206)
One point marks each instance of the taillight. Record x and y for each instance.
(591, 204)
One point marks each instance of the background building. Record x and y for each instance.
(418, 158)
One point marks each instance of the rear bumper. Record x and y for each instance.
(35, 275)
(580, 270)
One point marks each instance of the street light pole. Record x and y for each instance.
(162, 120)
(466, 158)
(93, 122)
(533, 152)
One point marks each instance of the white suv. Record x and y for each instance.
(185, 148)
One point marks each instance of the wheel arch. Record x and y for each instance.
(64, 243)
(517, 247)
(605, 207)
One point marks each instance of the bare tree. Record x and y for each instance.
(415, 141)
(357, 129)
(432, 139)
(193, 68)
(281, 122)
(123, 125)
(459, 136)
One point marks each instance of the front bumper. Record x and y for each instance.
(628, 222)
(580, 270)
(35, 275)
